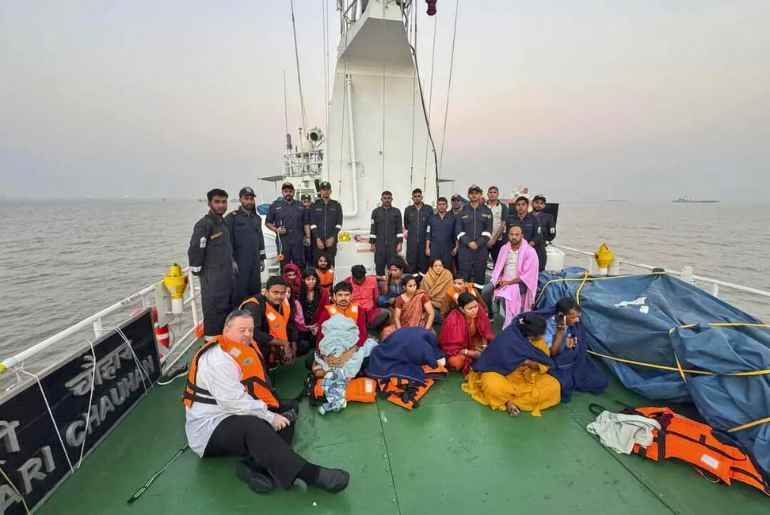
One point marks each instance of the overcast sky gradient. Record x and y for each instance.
(584, 100)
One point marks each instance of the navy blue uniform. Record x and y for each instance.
(441, 235)
(547, 232)
(416, 222)
(291, 216)
(211, 258)
(385, 234)
(325, 223)
(248, 244)
(474, 224)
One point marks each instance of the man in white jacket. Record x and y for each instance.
(232, 410)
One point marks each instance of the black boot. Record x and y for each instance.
(332, 480)
(257, 479)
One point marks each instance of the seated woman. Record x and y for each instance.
(293, 277)
(312, 299)
(458, 286)
(413, 307)
(390, 285)
(325, 273)
(435, 284)
(566, 338)
(512, 373)
(465, 333)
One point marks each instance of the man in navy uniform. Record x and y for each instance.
(211, 258)
(245, 226)
(325, 223)
(387, 232)
(547, 226)
(286, 219)
(474, 229)
(415, 222)
(441, 243)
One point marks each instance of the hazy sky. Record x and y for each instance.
(583, 100)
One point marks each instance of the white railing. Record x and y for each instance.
(685, 274)
(188, 321)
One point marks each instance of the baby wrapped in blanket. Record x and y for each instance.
(340, 336)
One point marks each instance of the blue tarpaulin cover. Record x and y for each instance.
(640, 318)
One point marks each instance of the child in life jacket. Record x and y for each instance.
(338, 360)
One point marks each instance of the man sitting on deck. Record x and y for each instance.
(343, 304)
(232, 410)
(365, 294)
(274, 328)
(566, 338)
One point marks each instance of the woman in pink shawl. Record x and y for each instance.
(515, 275)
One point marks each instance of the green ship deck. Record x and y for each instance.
(450, 455)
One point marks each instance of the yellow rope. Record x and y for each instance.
(580, 288)
(748, 425)
(679, 369)
(582, 278)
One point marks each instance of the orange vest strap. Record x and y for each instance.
(250, 300)
(278, 321)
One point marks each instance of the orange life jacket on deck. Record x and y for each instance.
(351, 312)
(403, 392)
(253, 376)
(693, 442)
(277, 321)
(360, 389)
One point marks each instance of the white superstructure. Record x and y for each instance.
(378, 135)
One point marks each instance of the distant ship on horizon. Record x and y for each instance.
(687, 200)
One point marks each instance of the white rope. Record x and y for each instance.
(449, 86)
(430, 91)
(139, 366)
(8, 480)
(296, 58)
(53, 420)
(90, 404)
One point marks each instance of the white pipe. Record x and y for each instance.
(354, 167)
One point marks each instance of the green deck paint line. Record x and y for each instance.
(450, 455)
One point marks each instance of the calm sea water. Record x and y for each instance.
(61, 261)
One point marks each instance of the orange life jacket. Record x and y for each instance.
(360, 389)
(403, 392)
(253, 376)
(277, 321)
(351, 312)
(440, 372)
(693, 442)
(325, 278)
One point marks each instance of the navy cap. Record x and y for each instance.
(246, 192)
(457, 196)
(538, 197)
(475, 187)
(305, 196)
(324, 185)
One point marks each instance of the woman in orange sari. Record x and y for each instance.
(465, 333)
(435, 284)
(413, 307)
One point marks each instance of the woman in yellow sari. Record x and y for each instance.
(512, 373)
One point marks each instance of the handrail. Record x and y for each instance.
(95, 322)
(711, 280)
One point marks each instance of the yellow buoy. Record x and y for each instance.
(604, 256)
(176, 283)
